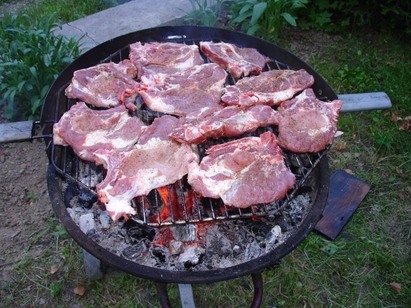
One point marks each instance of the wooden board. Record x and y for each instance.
(345, 194)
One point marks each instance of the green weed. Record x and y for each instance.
(31, 57)
(265, 18)
(205, 12)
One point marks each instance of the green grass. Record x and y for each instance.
(69, 10)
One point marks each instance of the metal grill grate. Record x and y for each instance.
(181, 204)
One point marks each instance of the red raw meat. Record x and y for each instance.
(155, 161)
(268, 88)
(167, 58)
(237, 61)
(307, 124)
(87, 130)
(224, 122)
(105, 85)
(243, 172)
(184, 92)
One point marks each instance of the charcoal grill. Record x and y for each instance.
(311, 170)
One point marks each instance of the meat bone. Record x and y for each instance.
(24, 130)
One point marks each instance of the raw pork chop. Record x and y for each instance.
(307, 123)
(167, 58)
(224, 122)
(155, 161)
(184, 92)
(105, 85)
(237, 61)
(87, 130)
(268, 88)
(243, 172)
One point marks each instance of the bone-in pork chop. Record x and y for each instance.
(307, 124)
(268, 88)
(243, 172)
(166, 58)
(105, 85)
(155, 161)
(230, 121)
(87, 130)
(184, 92)
(237, 61)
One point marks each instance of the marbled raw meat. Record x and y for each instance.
(243, 172)
(185, 92)
(268, 88)
(236, 60)
(87, 130)
(307, 124)
(230, 121)
(155, 161)
(163, 57)
(105, 85)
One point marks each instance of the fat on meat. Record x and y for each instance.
(307, 124)
(105, 85)
(87, 130)
(269, 88)
(166, 58)
(219, 122)
(243, 172)
(155, 161)
(236, 60)
(184, 92)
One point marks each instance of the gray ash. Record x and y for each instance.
(190, 247)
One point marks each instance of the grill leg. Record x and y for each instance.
(258, 289)
(162, 294)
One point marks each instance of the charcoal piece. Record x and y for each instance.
(134, 251)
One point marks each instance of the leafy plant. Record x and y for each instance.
(340, 16)
(331, 15)
(205, 12)
(265, 18)
(31, 57)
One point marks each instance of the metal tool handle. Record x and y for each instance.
(364, 101)
(22, 131)
(16, 131)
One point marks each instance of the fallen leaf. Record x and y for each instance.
(394, 117)
(341, 146)
(79, 290)
(349, 171)
(53, 269)
(395, 287)
(406, 125)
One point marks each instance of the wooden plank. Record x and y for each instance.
(16, 131)
(345, 194)
(364, 101)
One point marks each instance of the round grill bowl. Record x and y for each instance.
(117, 49)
